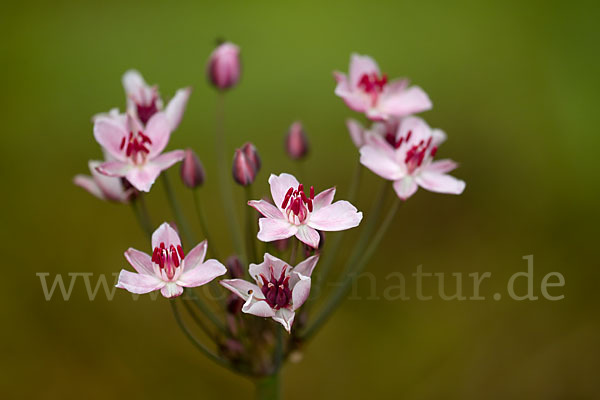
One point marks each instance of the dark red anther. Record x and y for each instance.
(122, 143)
(433, 151)
(398, 143)
(312, 192)
(180, 251)
(161, 260)
(174, 257)
(429, 141)
(304, 198)
(155, 255)
(162, 245)
(287, 197)
(129, 149)
(310, 205)
(300, 188)
(408, 135)
(145, 139)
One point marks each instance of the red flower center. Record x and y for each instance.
(297, 204)
(168, 259)
(146, 111)
(372, 84)
(135, 146)
(277, 290)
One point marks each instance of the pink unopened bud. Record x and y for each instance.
(224, 66)
(234, 267)
(246, 164)
(192, 171)
(296, 142)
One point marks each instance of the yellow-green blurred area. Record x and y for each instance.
(515, 86)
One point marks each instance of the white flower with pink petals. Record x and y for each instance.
(143, 101)
(407, 159)
(135, 151)
(301, 215)
(279, 290)
(169, 269)
(366, 90)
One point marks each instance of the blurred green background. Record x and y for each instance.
(514, 84)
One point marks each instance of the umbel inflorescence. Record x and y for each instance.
(270, 278)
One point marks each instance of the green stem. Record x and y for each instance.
(225, 180)
(296, 244)
(250, 223)
(202, 220)
(207, 311)
(177, 213)
(339, 294)
(138, 206)
(268, 388)
(199, 345)
(198, 320)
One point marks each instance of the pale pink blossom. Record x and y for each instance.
(366, 90)
(224, 66)
(279, 290)
(135, 150)
(301, 215)
(104, 187)
(143, 101)
(358, 133)
(407, 159)
(169, 269)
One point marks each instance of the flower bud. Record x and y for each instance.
(246, 164)
(296, 142)
(192, 171)
(234, 267)
(224, 66)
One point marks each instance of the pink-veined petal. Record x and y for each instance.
(88, 183)
(114, 168)
(201, 273)
(406, 102)
(440, 183)
(171, 289)
(323, 199)
(109, 133)
(271, 229)
(405, 187)
(159, 131)
(176, 107)
(140, 261)
(280, 185)
(143, 177)
(265, 208)
(195, 256)
(308, 235)
(338, 216)
(354, 99)
(242, 288)
(165, 234)
(378, 160)
(257, 307)
(264, 268)
(139, 283)
(442, 166)
(300, 291)
(361, 65)
(307, 266)
(166, 160)
(285, 317)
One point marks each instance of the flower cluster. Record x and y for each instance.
(270, 277)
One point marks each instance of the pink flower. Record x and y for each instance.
(359, 134)
(297, 214)
(136, 151)
(224, 67)
(169, 269)
(366, 90)
(104, 187)
(279, 290)
(407, 159)
(144, 101)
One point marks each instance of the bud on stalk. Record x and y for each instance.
(192, 171)
(296, 142)
(246, 164)
(224, 67)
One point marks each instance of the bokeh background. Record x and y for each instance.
(514, 84)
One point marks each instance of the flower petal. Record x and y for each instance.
(133, 83)
(274, 229)
(307, 266)
(354, 99)
(166, 160)
(195, 256)
(323, 199)
(404, 102)
(271, 264)
(140, 261)
(338, 216)
(176, 107)
(171, 289)
(88, 183)
(114, 168)
(280, 185)
(361, 65)
(257, 307)
(442, 166)
(300, 291)
(143, 177)
(308, 235)
(242, 288)
(440, 183)
(356, 131)
(109, 133)
(139, 283)
(379, 160)
(201, 273)
(405, 187)
(111, 187)
(165, 234)
(158, 130)
(265, 208)
(285, 317)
